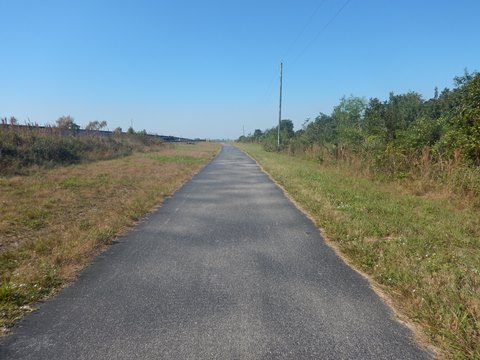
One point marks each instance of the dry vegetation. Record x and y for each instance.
(53, 221)
(24, 148)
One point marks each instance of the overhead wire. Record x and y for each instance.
(315, 38)
(294, 42)
(269, 90)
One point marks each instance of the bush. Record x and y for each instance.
(24, 146)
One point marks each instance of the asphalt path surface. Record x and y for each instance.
(227, 268)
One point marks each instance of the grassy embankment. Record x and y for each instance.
(53, 221)
(25, 149)
(423, 251)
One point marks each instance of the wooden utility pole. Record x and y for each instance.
(280, 108)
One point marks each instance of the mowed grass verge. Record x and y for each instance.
(423, 251)
(53, 222)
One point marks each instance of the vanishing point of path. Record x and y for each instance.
(227, 268)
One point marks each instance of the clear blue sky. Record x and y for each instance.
(208, 68)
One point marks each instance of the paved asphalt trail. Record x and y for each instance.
(227, 268)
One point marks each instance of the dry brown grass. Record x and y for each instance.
(53, 222)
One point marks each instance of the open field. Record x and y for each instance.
(53, 221)
(423, 251)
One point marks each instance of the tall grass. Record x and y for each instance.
(23, 147)
(422, 171)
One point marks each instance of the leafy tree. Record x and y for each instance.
(286, 129)
(401, 111)
(348, 116)
(326, 129)
(374, 127)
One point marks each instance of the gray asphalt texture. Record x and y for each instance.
(227, 268)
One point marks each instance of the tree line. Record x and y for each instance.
(397, 136)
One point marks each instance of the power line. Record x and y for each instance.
(332, 19)
(270, 88)
(314, 39)
(294, 42)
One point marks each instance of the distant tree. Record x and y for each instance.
(465, 79)
(117, 130)
(130, 131)
(257, 135)
(67, 123)
(96, 125)
(92, 125)
(286, 126)
(270, 139)
(321, 130)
